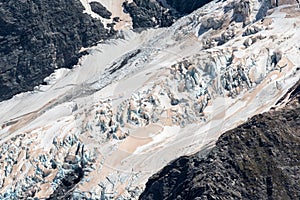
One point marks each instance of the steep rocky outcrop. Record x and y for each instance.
(186, 6)
(148, 13)
(159, 13)
(37, 37)
(257, 160)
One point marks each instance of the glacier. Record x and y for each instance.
(135, 103)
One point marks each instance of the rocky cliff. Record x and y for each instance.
(186, 6)
(37, 37)
(257, 160)
(148, 13)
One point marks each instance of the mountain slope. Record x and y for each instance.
(143, 99)
(257, 160)
(38, 37)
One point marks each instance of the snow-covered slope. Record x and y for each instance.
(116, 9)
(134, 104)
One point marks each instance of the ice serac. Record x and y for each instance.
(101, 129)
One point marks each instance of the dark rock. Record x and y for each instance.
(257, 160)
(263, 10)
(39, 36)
(116, 19)
(276, 57)
(100, 10)
(174, 102)
(147, 13)
(65, 189)
(186, 6)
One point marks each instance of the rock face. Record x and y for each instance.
(148, 13)
(187, 6)
(37, 37)
(257, 160)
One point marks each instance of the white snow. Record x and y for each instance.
(115, 7)
(159, 140)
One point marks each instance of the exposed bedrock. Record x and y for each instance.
(147, 13)
(37, 37)
(186, 6)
